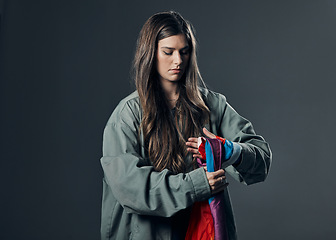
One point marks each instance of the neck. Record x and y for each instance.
(171, 90)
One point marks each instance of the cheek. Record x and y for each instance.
(160, 65)
(158, 61)
(161, 62)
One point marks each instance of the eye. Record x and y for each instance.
(184, 52)
(167, 53)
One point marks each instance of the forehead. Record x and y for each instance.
(176, 41)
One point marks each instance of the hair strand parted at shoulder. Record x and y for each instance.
(165, 135)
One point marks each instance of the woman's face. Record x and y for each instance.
(172, 57)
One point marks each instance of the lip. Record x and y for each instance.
(176, 70)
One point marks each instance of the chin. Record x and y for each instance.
(173, 79)
(176, 78)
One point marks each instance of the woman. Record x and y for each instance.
(150, 141)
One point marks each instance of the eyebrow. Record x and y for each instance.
(170, 48)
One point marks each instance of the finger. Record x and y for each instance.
(213, 179)
(220, 176)
(192, 144)
(218, 184)
(220, 188)
(216, 179)
(219, 173)
(220, 181)
(208, 134)
(193, 150)
(192, 139)
(197, 156)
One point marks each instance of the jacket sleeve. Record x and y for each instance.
(132, 179)
(255, 151)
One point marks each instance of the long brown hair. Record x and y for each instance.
(165, 135)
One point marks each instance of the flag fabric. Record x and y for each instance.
(207, 220)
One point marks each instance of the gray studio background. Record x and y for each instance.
(65, 66)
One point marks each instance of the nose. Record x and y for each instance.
(178, 59)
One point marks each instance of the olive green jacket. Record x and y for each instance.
(140, 203)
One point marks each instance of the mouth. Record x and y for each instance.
(176, 70)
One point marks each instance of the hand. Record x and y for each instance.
(193, 146)
(216, 180)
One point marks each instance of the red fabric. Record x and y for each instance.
(222, 139)
(201, 149)
(201, 225)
